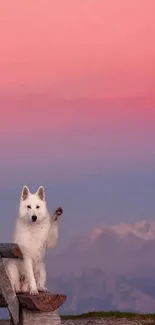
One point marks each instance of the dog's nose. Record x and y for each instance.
(34, 218)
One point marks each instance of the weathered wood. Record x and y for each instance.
(5, 322)
(8, 294)
(41, 302)
(44, 302)
(39, 318)
(10, 251)
(2, 301)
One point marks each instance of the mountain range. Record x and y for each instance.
(109, 268)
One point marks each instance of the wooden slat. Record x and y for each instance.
(5, 322)
(10, 251)
(45, 301)
(2, 301)
(8, 294)
(42, 302)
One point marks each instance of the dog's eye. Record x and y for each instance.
(37, 207)
(29, 206)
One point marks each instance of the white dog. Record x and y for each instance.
(35, 231)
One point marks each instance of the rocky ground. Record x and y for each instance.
(108, 321)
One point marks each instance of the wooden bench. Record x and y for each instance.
(25, 309)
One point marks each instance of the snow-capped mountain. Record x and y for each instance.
(143, 229)
(110, 267)
(106, 247)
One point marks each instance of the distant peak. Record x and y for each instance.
(143, 229)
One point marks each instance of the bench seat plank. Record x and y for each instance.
(9, 250)
(45, 301)
(42, 302)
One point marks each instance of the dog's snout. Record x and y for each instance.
(34, 218)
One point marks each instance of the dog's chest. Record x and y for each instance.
(39, 242)
(34, 241)
(38, 246)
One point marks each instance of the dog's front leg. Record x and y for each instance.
(28, 265)
(54, 229)
(40, 276)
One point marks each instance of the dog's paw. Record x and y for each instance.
(58, 212)
(42, 289)
(34, 292)
(17, 288)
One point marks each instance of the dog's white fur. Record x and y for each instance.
(33, 238)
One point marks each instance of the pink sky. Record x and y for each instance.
(70, 132)
(77, 107)
(88, 48)
(71, 50)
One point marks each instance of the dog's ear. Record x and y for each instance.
(41, 193)
(25, 192)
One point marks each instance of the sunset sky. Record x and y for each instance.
(77, 105)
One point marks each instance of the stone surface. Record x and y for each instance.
(107, 321)
(39, 318)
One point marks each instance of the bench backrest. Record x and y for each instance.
(8, 296)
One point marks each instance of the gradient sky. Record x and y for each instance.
(77, 106)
